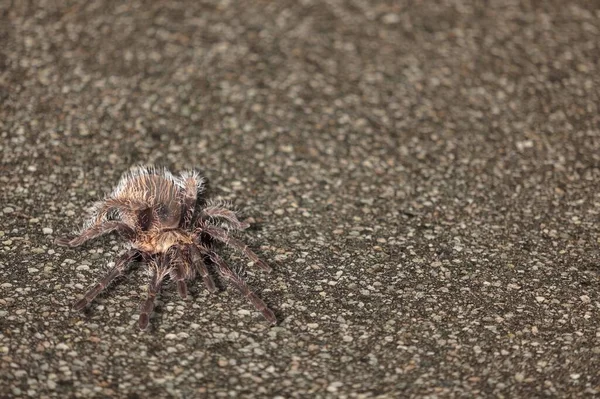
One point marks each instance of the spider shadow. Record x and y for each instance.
(256, 226)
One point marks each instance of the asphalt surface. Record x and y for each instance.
(422, 176)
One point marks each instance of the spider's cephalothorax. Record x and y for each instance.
(156, 211)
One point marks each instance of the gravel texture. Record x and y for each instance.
(421, 175)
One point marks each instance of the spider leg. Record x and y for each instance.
(96, 231)
(221, 235)
(153, 288)
(192, 184)
(196, 258)
(182, 271)
(227, 273)
(182, 289)
(114, 272)
(230, 217)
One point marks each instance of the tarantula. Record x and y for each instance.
(156, 212)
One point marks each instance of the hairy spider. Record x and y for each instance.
(157, 212)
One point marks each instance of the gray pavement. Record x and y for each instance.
(421, 175)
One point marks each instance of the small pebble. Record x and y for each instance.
(333, 387)
(20, 373)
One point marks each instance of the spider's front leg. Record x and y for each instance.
(221, 235)
(96, 231)
(195, 257)
(161, 268)
(182, 270)
(116, 271)
(226, 272)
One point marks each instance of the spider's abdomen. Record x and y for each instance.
(145, 219)
(158, 198)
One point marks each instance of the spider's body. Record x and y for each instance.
(160, 241)
(155, 211)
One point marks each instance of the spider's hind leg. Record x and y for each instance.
(192, 185)
(116, 271)
(216, 211)
(96, 231)
(221, 235)
(100, 223)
